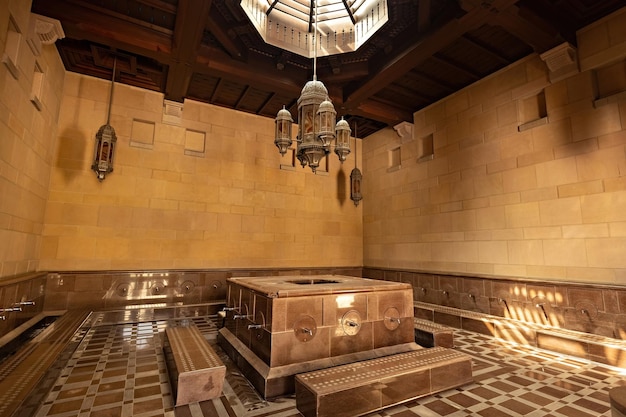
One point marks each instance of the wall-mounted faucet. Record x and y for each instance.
(503, 302)
(240, 316)
(16, 308)
(471, 297)
(255, 326)
(306, 330)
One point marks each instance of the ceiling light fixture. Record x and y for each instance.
(317, 127)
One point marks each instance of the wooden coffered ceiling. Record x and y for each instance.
(207, 50)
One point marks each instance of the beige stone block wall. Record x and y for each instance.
(27, 142)
(547, 201)
(602, 42)
(167, 205)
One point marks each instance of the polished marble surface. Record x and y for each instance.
(298, 285)
(365, 386)
(118, 369)
(282, 325)
(196, 372)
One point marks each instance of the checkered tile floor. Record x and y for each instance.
(118, 370)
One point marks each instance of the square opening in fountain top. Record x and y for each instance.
(313, 281)
(296, 286)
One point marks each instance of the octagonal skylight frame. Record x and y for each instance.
(343, 25)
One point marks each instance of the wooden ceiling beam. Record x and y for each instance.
(537, 34)
(91, 25)
(407, 93)
(216, 90)
(423, 15)
(349, 72)
(121, 16)
(440, 59)
(243, 95)
(262, 74)
(479, 45)
(560, 17)
(426, 46)
(419, 76)
(267, 100)
(191, 19)
(385, 112)
(216, 27)
(159, 5)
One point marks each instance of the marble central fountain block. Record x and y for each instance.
(280, 326)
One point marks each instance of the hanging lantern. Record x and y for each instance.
(283, 130)
(311, 146)
(316, 121)
(355, 175)
(326, 118)
(342, 147)
(104, 148)
(355, 186)
(104, 151)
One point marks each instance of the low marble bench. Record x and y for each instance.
(195, 370)
(617, 398)
(429, 334)
(364, 387)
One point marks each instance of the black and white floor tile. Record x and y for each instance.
(118, 370)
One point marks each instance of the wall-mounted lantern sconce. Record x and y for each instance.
(355, 176)
(355, 186)
(104, 148)
(104, 151)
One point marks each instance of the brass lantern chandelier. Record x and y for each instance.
(317, 122)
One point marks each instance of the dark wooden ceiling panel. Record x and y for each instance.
(275, 102)
(207, 50)
(228, 93)
(497, 43)
(252, 100)
(446, 70)
(201, 87)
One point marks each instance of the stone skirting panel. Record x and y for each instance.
(587, 346)
(101, 290)
(594, 309)
(105, 290)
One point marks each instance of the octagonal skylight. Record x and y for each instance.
(343, 25)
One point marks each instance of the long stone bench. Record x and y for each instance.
(603, 349)
(33, 365)
(429, 334)
(364, 387)
(196, 372)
